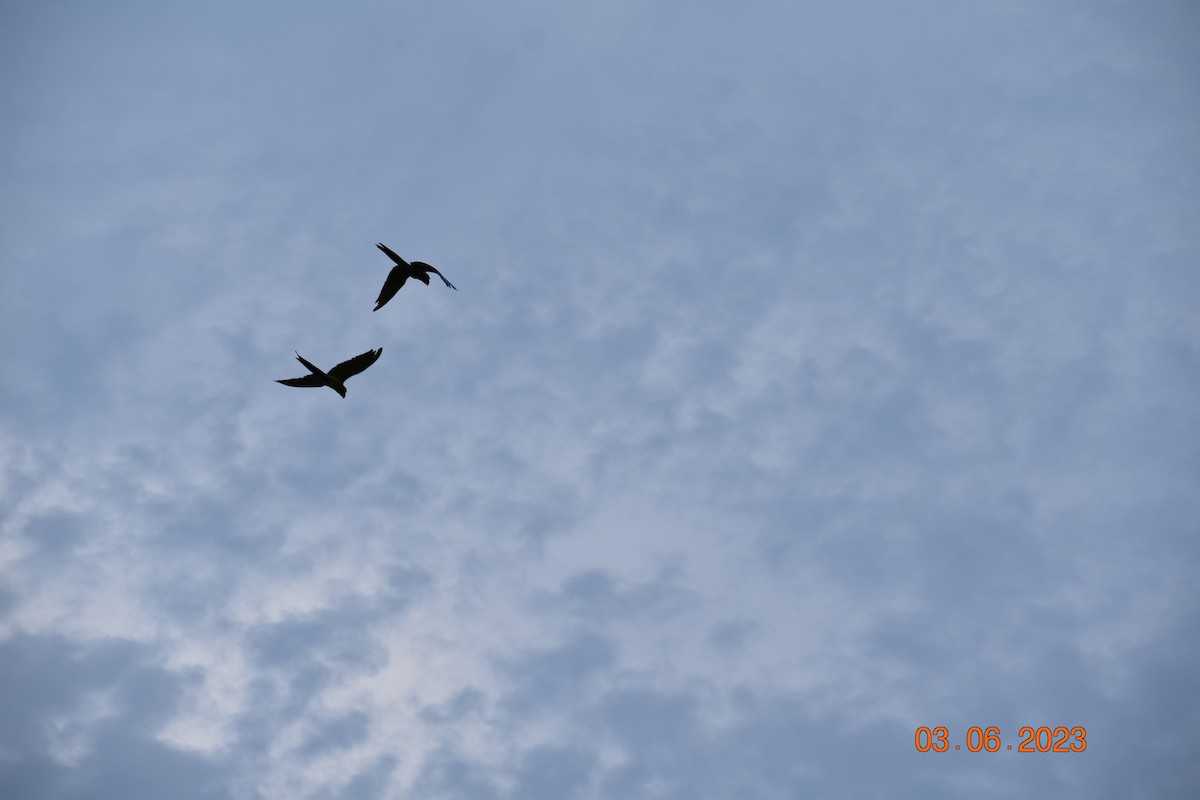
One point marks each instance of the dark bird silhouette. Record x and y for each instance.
(402, 272)
(336, 378)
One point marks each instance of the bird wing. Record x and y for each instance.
(315, 377)
(391, 255)
(311, 367)
(434, 270)
(395, 280)
(355, 365)
(307, 380)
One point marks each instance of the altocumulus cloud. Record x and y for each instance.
(816, 373)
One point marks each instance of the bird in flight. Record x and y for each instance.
(402, 272)
(336, 378)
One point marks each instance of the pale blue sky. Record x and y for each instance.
(818, 371)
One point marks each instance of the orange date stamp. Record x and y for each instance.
(987, 740)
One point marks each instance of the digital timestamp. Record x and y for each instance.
(987, 740)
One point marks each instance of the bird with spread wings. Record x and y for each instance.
(401, 273)
(336, 378)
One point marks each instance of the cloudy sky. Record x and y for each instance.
(818, 371)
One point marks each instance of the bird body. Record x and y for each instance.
(401, 273)
(336, 378)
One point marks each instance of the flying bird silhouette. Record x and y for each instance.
(336, 378)
(402, 272)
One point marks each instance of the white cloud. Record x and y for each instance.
(813, 374)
